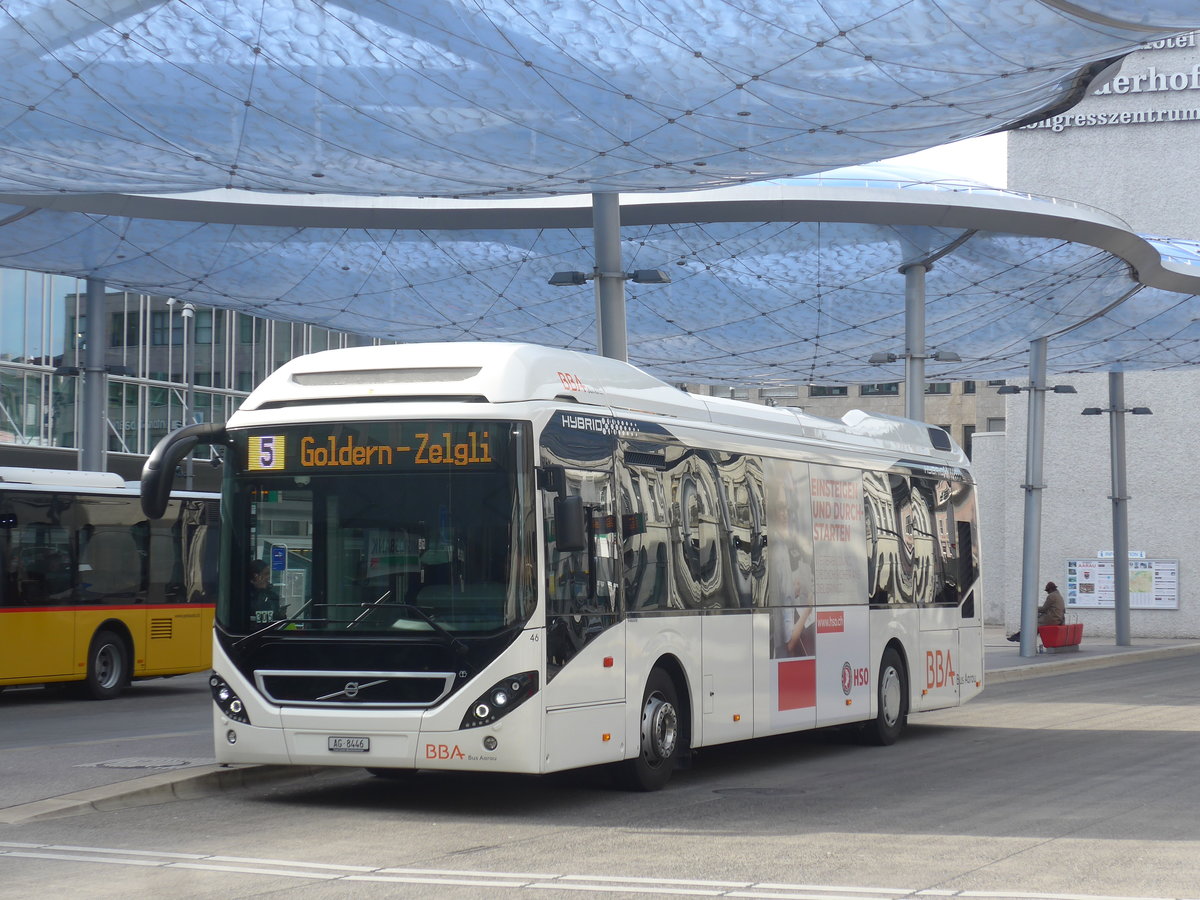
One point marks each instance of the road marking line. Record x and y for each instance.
(288, 862)
(397, 879)
(91, 859)
(638, 880)
(769, 886)
(632, 884)
(160, 853)
(254, 870)
(458, 872)
(627, 889)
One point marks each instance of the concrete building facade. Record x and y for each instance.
(1129, 148)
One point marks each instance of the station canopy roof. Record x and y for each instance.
(416, 171)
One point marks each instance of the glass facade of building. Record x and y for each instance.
(149, 345)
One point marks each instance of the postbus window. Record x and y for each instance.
(38, 549)
(114, 539)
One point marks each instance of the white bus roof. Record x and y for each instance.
(60, 477)
(497, 373)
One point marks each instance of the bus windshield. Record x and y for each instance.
(421, 528)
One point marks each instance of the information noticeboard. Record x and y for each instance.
(1153, 583)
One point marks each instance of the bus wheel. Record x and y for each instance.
(108, 667)
(659, 736)
(892, 696)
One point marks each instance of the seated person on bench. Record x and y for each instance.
(1052, 612)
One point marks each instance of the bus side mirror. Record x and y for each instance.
(570, 524)
(158, 474)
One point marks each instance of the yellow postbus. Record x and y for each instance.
(94, 592)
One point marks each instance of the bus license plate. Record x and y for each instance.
(350, 744)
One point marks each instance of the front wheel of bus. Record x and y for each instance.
(892, 697)
(659, 735)
(107, 666)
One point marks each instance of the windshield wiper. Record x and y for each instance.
(278, 623)
(368, 607)
(453, 642)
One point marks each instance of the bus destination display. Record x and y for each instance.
(409, 445)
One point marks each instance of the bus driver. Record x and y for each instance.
(265, 605)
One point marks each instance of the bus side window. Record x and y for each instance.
(646, 538)
(110, 566)
(883, 540)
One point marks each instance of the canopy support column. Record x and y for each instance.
(1120, 500)
(914, 341)
(611, 336)
(189, 387)
(1032, 540)
(95, 382)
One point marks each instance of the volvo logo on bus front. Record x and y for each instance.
(352, 689)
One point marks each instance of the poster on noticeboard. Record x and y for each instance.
(1153, 583)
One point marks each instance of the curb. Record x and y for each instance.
(1076, 664)
(163, 787)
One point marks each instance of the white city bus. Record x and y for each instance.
(509, 558)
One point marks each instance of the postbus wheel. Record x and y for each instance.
(107, 666)
(660, 736)
(892, 700)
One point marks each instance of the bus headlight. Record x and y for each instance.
(502, 697)
(227, 701)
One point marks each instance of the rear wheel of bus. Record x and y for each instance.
(107, 666)
(891, 700)
(660, 736)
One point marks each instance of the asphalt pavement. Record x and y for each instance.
(175, 765)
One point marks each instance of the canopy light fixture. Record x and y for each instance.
(1053, 388)
(1135, 411)
(637, 276)
(878, 359)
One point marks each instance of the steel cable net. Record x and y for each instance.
(749, 302)
(508, 97)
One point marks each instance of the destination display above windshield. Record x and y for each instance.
(378, 446)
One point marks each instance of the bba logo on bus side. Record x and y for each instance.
(443, 751)
(939, 669)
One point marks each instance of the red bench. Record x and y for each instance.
(1059, 638)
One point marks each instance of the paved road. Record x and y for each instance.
(1081, 785)
(159, 734)
(54, 743)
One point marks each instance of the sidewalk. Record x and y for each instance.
(1002, 662)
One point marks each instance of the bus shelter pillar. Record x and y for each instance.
(1032, 537)
(95, 382)
(1120, 509)
(611, 340)
(914, 341)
